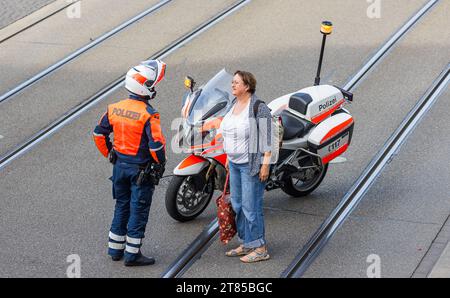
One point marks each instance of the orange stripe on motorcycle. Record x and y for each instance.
(324, 115)
(336, 130)
(190, 161)
(222, 158)
(335, 154)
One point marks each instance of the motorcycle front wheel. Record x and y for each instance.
(188, 196)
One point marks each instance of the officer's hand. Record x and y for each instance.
(159, 169)
(112, 156)
(162, 170)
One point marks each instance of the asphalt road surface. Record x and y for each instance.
(56, 199)
(47, 42)
(405, 209)
(12, 11)
(70, 85)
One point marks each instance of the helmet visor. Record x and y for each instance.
(149, 84)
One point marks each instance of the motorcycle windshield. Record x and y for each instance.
(213, 100)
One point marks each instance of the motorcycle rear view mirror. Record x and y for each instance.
(189, 83)
(215, 109)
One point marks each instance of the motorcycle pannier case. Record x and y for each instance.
(331, 137)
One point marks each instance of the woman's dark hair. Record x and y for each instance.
(249, 80)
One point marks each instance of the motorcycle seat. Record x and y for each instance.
(294, 127)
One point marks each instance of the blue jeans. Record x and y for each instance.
(247, 194)
(131, 211)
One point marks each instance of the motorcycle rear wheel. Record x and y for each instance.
(185, 198)
(293, 188)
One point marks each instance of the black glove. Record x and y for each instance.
(112, 156)
(156, 172)
(162, 169)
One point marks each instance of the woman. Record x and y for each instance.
(248, 164)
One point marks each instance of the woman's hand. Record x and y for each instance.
(264, 172)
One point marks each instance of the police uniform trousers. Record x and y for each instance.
(131, 211)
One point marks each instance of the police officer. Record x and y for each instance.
(138, 141)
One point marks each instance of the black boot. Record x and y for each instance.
(140, 260)
(116, 258)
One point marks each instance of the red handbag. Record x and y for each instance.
(225, 216)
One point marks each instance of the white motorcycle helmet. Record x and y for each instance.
(142, 79)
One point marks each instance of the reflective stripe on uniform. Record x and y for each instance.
(135, 241)
(131, 249)
(162, 146)
(119, 246)
(116, 237)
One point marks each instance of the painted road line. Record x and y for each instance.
(80, 51)
(34, 18)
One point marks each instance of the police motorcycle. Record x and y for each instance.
(316, 129)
